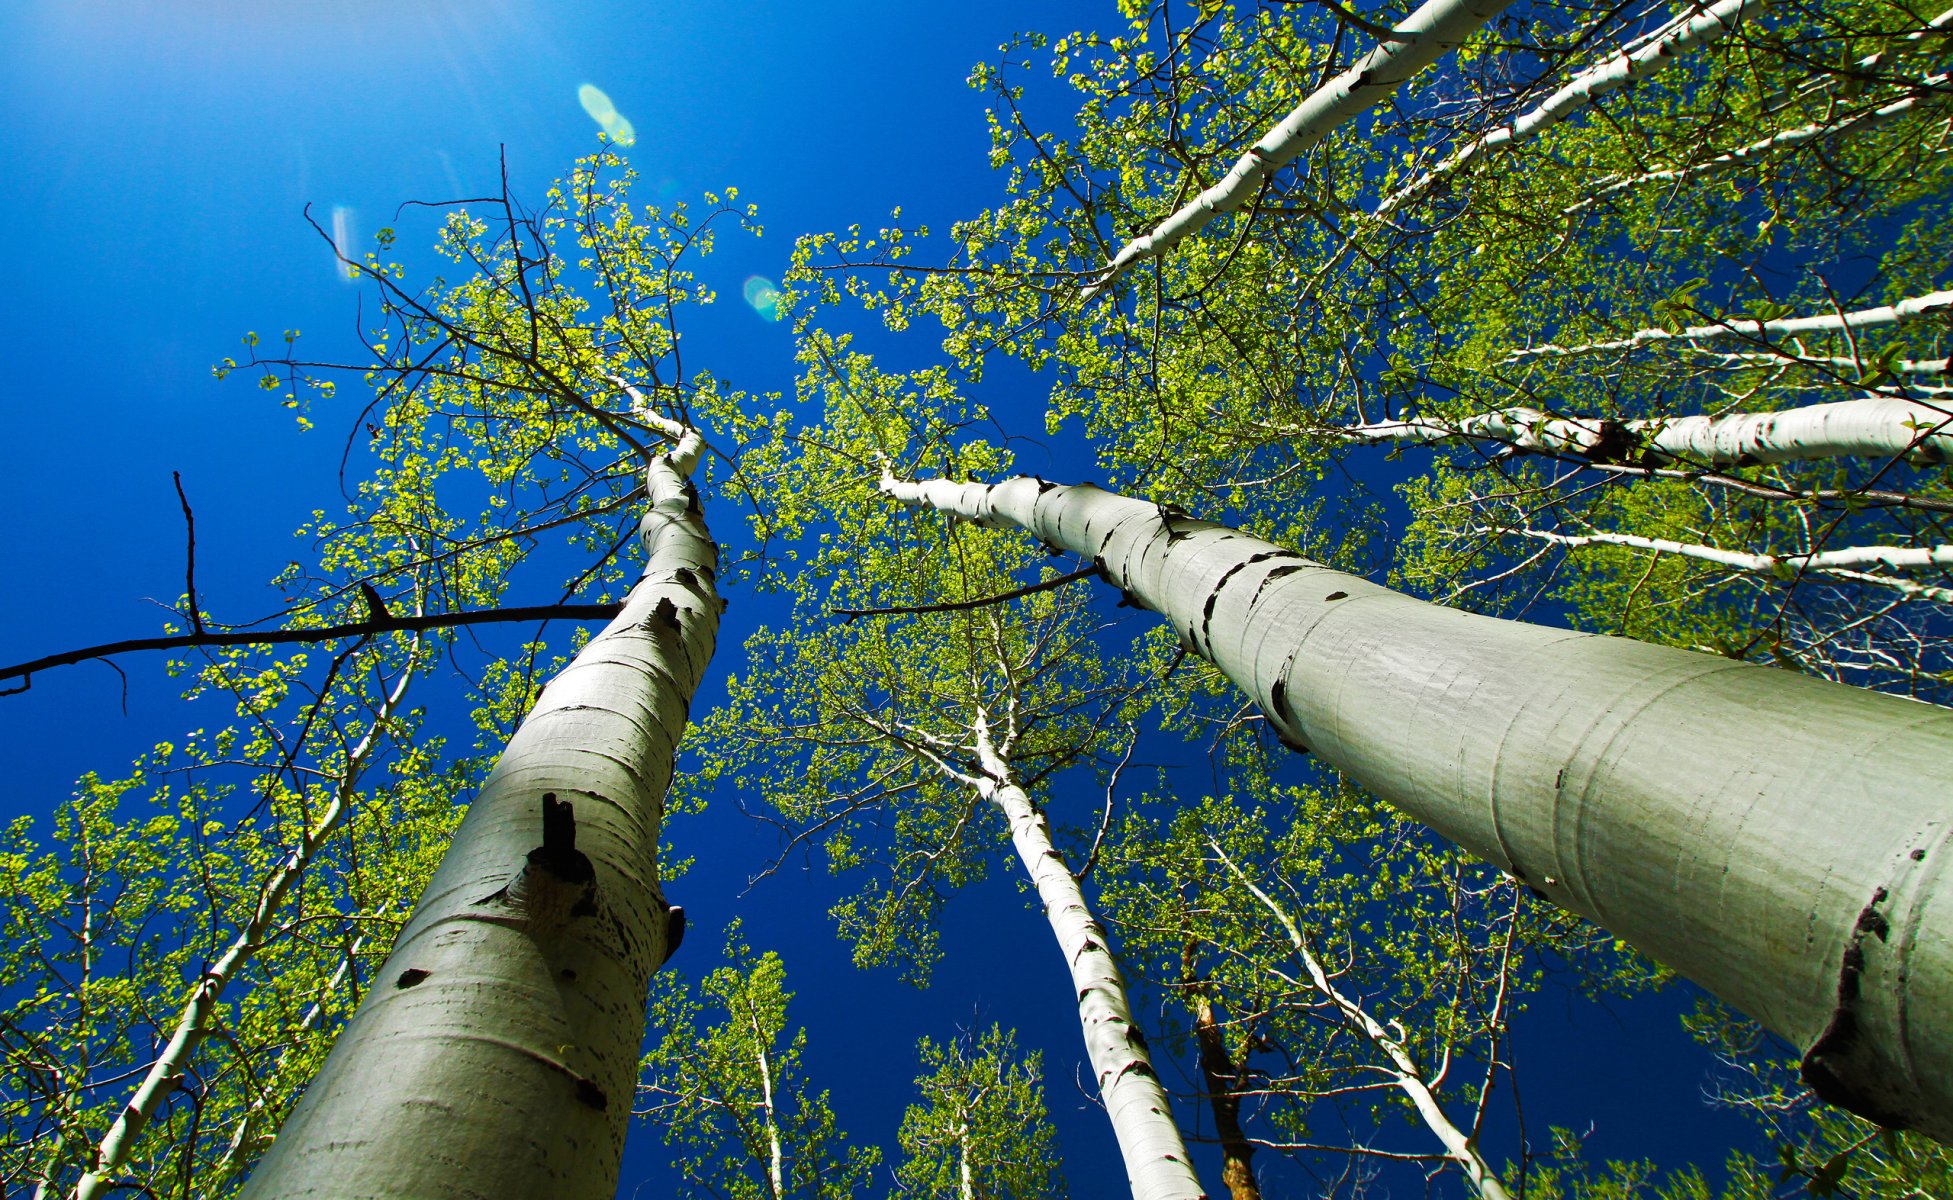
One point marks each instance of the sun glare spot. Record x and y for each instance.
(343, 237)
(605, 114)
(764, 296)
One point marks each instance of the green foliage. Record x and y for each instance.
(727, 1090)
(982, 1130)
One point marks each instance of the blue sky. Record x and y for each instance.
(154, 162)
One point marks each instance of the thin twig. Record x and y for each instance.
(189, 554)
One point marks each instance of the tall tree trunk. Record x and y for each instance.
(1220, 1076)
(1931, 92)
(1871, 426)
(1157, 1164)
(1912, 308)
(193, 1025)
(496, 1053)
(1618, 70)
(1842, 563)
(1776, 838)
(1401, 1068)
(1435, 29)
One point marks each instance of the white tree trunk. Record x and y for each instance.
(1617, 71)
(496, 1053)
(1871, 427)
(1776, 838)
(1403, 1071)
(776, 1158)
(1844, 563)
(1931, 89)
(1157, 1164)
(1910, 309)
(1435, 29)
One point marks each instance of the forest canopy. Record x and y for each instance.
(1514, 562)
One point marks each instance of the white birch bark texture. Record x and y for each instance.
(1618, 70)
(1847, 562)
(1913, 308)
(1157, 1165)
(1778, 839)
(1434, 30)
(495, 1055)
(1866, 427)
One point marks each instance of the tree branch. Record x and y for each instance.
(959, 605)
(274, 637)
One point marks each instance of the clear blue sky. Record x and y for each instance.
(154, 160)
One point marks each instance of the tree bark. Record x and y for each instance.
(1219, 1075)
(1435, 29)
(1619, 69)
(1913, 308)
(496, 1053)
(1157, 1165)
(1842, 563)
(1869, 427)
(1778, 839)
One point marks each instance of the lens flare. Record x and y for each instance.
(764, 296)
(343, 237)
(605, 114)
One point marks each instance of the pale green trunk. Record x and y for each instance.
(496, 1053)
(1778, 839)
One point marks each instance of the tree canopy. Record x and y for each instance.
(1608, 319)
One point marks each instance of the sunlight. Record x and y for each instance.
(764, 295)
(343, 237)
(597, 103)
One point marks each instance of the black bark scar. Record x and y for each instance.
(1829, 1068)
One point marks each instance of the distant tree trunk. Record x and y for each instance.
(1619, 69)
(1931, 92)
(1401, 1067)
(1219, 1075)
(1776, 838)
(495, 1055)
(1872, 427)
(1842, 563)
(1157, 1165)
(1912, 308)
(1435, 29)
(172, 1063)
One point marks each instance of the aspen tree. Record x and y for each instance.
(1794, 822)
(727, 1089)
(925, 723)
(496, 1052)
(982, 1130)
